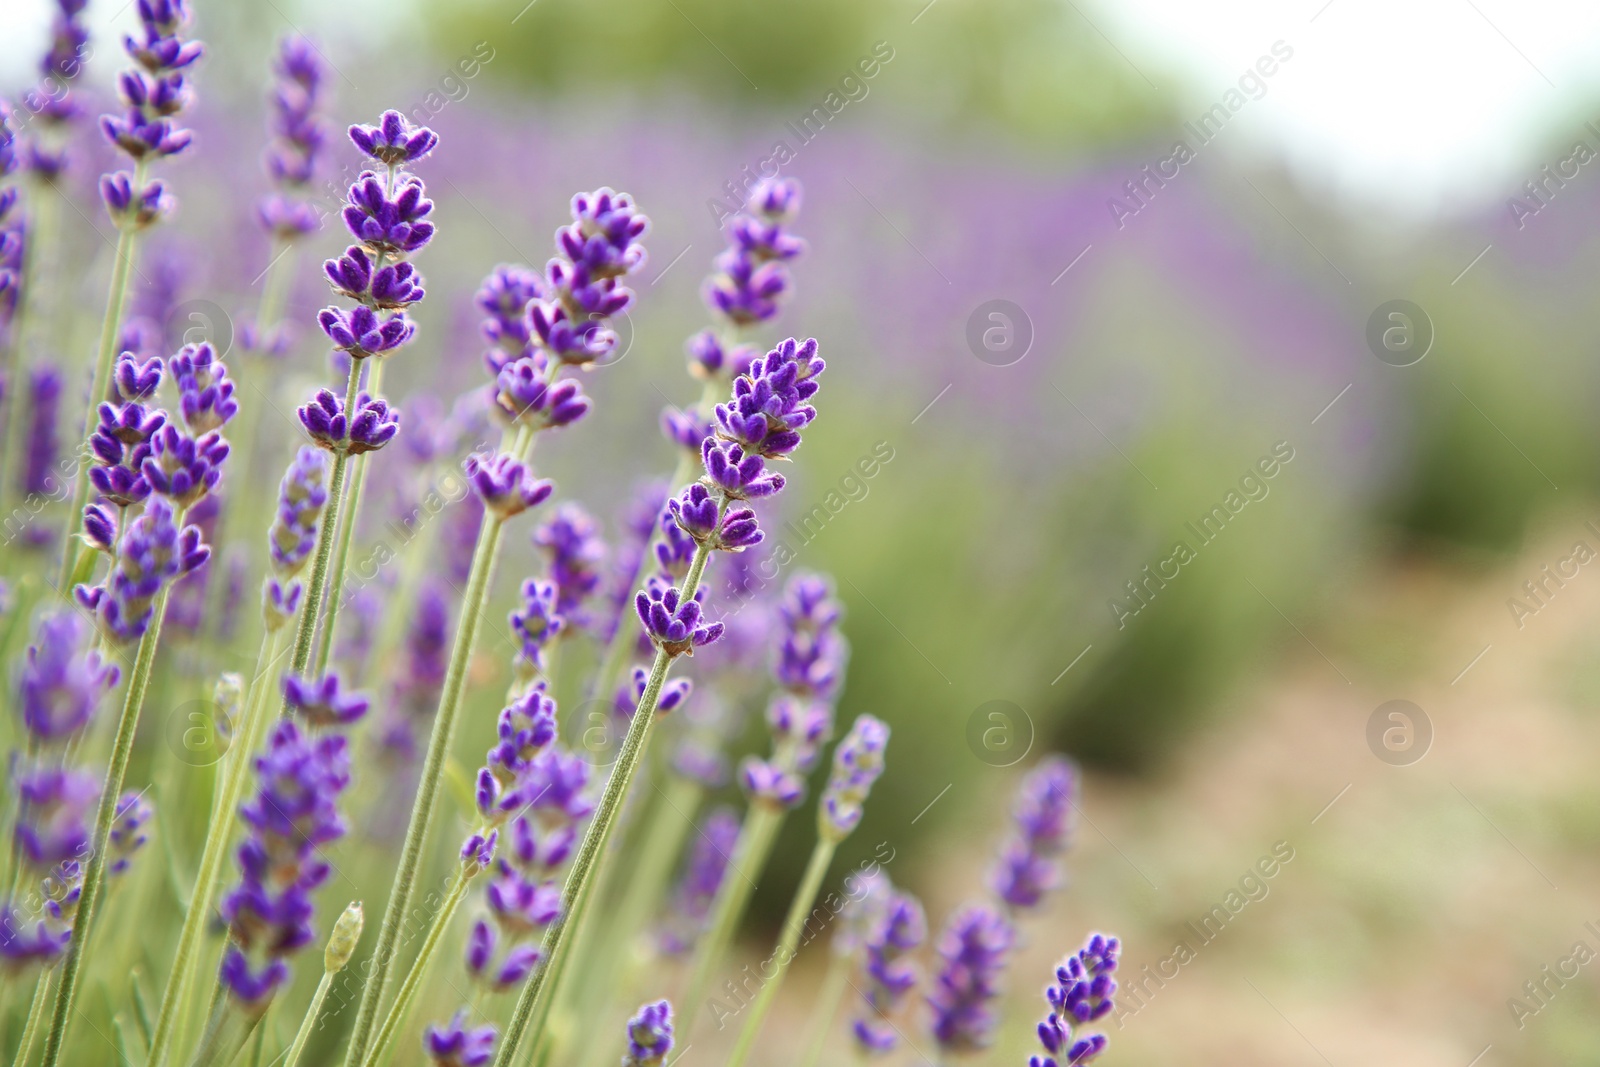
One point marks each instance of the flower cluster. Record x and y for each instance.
(857, 763)
(151, 554)
(121, 442)
(52, 102)
(808, 666)
(1083, 993)
(302, 495)
(889, 973)
(1045, 815)
(536, 623)
(571, 542)
(13, 228)
(299, 136)
(455, 1045)
(972, 956)
(704, 869)
(154, 92)
(293, 814)
(649, 1035)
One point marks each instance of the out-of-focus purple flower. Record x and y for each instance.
(890, 975)
(54, 805)
(299, 138)
(524, 393)
(453, 1045)
(393, 141)
(506, 486)
(319, 702)
(39, 461)
(62, 679)
(674, 693)
(24, 946)
(204, 391)
(504, 298)
(280, 601)
(302, 495)
(750, 280)
(857, 763)
(127, 831)
(703, 871)
(811, 652)
(1045, 816)
(672, 623)
(649, 1035)
(571, 541)
(135, 207)
(155, 89)
(686, 429)
(536, 622)
(768, 783)
(526, 728)
(1083, 993)
(972, 956)
(153, 553)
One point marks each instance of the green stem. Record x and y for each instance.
(575, 893)
(310, 610)
(247, 740)
(110, 332)
(756, 836)
(483, 559)
(310, 1020)
(35, 1016)
(94, 871)
(826, 1006)
(412, 985)
(788, 942)
(347, 531)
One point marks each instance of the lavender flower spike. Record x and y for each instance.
(393, 140)
(703, 872)
(972, 952)
(62, 679)
(506, 485)
(1083, 993)
(674, 624)
(890, 975)
(301, 497)
(649, 1035)
(857, 763)
(1045, 818)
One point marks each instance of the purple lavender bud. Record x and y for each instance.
(127, 830)
(324, 419)
(394, 141)
(139, 137)
(320, 704)
(205, 393)
(1045, 814)
(737, 475)
(526, 728)
(373, 426)
(99, 527)
(302, 494)
(360, 332)
(280, 602)
(571, 540)
(603, 235)
(506, 486)
(62, 679)
(390, 287)
(388, 225)
(649, 1035)
(768, 783)
(1083, 993)
(288, 219)
(136, 208)
(686, 429)
(769, 407)
(696, 512)
(453, 1045)
(184, 469)
(745, 291)
(152, 554)
(519, 906)
(703, 871)
(136, 381)
(478, 851)
(537, 622)
(54, 805)
(776, 199)
(248, 987)
(583, 340)
(504, 298)
(673, 624)
(972, 953)
(890, 975)
(857, 763)
(523, 393)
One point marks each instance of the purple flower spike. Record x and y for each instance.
(504, 299)
(299, 138)
(394, 141)
(392, 226)
(571, 541)
(127, 830)
(703, 872)
(890, 976)
(360, 332)
(205, 393)
(857, 763)
(23, 947)
(537, 622)
(768, 783)
(301, 497)
(740, 476)
(649, 1035)
(1045, 818)
(972, 953)
(324, 419)
(686, 429)
(320, 704)
(604, 233)
(152, 554)
(453, 1045)
(673, 624)
(136, 380)
(1083, 993)
(184, 469)
(62, 679)
(506, 486)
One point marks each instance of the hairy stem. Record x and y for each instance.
(347, 532)
(483, 559)
(788, 941)
(826, 1006)
(575, 893)
(310, 1021)
(407, 994)
(110, 791)
(41, 997)
(110, 333)
(218, 834)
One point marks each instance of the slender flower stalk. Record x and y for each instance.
(341, 944)
(857, 763)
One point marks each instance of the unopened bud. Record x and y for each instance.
(342, 942)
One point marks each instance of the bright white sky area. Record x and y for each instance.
(1409, 107)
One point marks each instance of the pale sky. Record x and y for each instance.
(1401, 107)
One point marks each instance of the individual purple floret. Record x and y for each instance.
(1045, 816)
(299, 137)
(649, 1035)
(536, 622)
(153, 552)
(737, 475)
(53, 810)
(505, 485)
(571, 542)
(703, 871)
(504, 298)
(25, 944)
(1083, 993)
(135, 207)
(293, 814)
(320, 704)
(205, 395)
(972, 956)
(184, 469)
(890, 976)
(136, 380)
(62, 679)
(857, 763)
(673, 624)
(127, 830)
(302, 495)
(374, 425)
(524, 394)
(394, 141)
